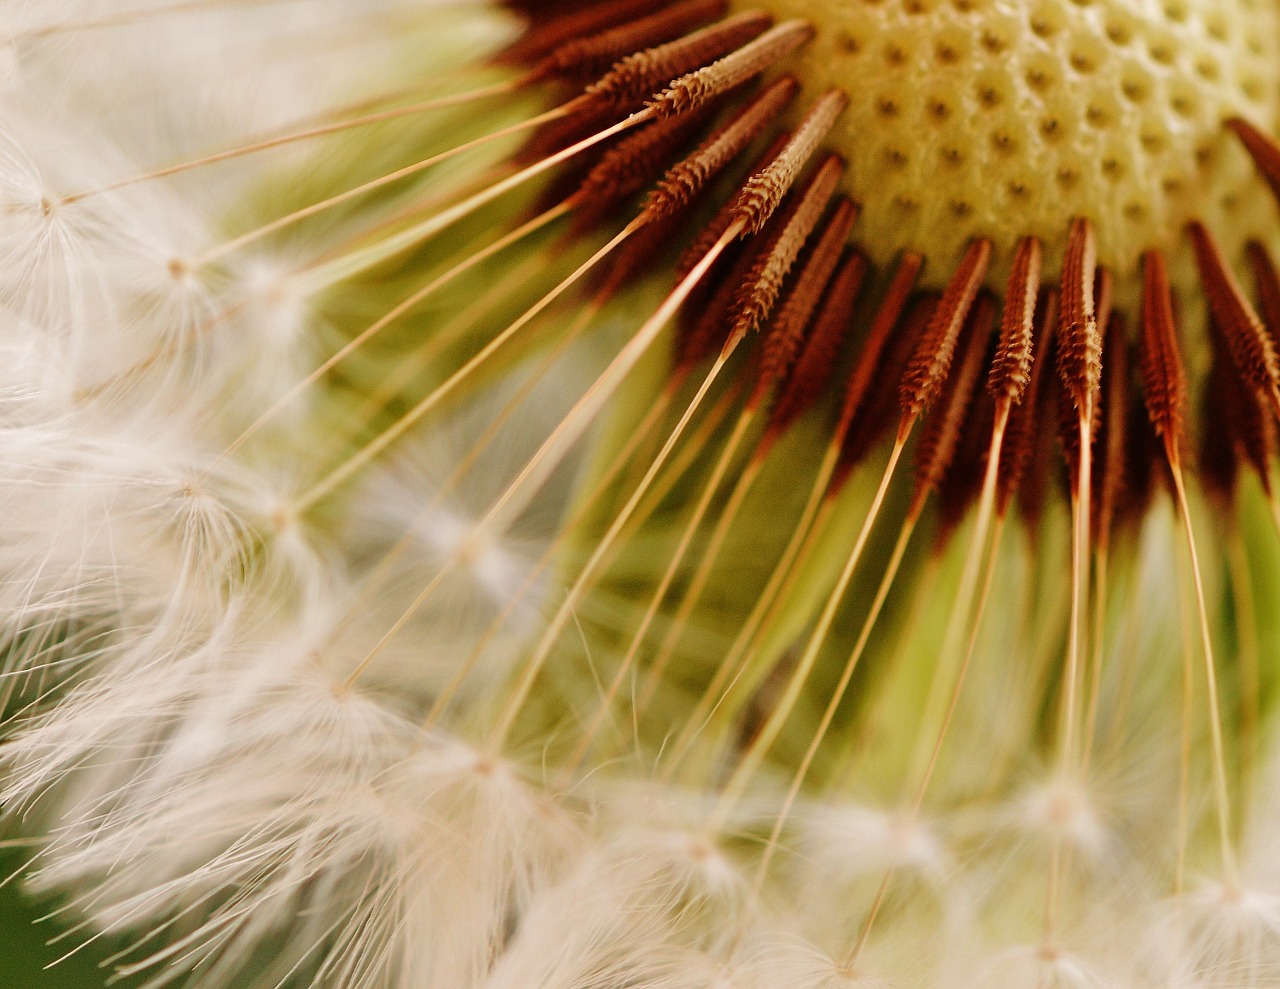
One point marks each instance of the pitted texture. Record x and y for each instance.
(1004, 118)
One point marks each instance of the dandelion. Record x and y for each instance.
(643, 492)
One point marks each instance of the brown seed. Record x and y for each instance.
(787, 332)
(1267, 281)
(763, 192)
(1020, 436)
(759, 292)
(696, 88)
(942, 429)
(631, 164)
(1079, 342)
(1263, 149)
(877, 411)
(713, 231)
(547, 31)
(1247, 339)
(1164, 382)
(1011, 368)
(1236, 410)
(644, 73)
(817, 361)
(962, 483)
(588, 56)
(1109, 458)
(886, 318)
(685, 180)
(932, 359)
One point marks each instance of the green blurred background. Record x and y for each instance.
(24, 948)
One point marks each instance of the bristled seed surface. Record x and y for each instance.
(1001, 118)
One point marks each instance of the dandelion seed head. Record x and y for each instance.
(391, 602)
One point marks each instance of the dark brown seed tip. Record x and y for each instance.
(760, 290)
(696, 88)
(763, 192)
(1267, 282)
(687, 179)
(817, 361)
(551, 29)
(886, 318)
(943, 428)
(1079, 340)
(1020, 436)
(1236, 409)
(1247, 339)
(1164, 382)
(1109, 457)
(932, 359)
(875, 416)
(588, 56)
(643, 73)
(1011, 369)
(786, 335)
(1262, 148)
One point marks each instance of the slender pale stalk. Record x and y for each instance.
(506, 721)
(837, 695)
(1068, 758)
(813, 518)
(1247, 655)
(289, 219)
(693, 594)
(407, 304)
(603, 484)
(375, 448)
(709, 489)
(962, 606)
(322, 130)
(1221, 786)
(917, 802)
(760, 745)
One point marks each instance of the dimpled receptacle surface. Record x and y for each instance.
(1001, 118)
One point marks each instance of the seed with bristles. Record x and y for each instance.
(943, 428)
(816, 365)
(1011, 368)
(875, 413)
(764, 190)
(684, 181)
(725, 216)
(760, 290)
(886, 318)
(1079, 354)
(632, 164)
(932, 359)
(1109, 458)
(1263, 149)
(1164, 381)
(696, 88)
(1267, 281)
(1250, 428)
(1021, 434)
(786, 335)
(640, 75)
(1247, 339)
(545, 35)
(588, 56)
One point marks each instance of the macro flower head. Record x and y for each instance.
(643, 493)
